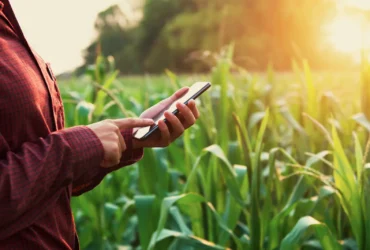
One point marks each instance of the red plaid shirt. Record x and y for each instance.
(42, 164)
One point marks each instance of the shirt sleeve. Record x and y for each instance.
(89, 181)
(36, 171)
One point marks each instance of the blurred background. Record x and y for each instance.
(150, 36)
(279, 158)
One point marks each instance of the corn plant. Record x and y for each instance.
(259, 170)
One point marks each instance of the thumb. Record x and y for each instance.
(128, 123)
(179, 93)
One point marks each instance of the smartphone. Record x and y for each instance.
(194, 92)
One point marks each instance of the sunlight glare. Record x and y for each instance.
(360, 4)
(345, 33)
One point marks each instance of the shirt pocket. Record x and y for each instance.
(56, 96)
(56, 100)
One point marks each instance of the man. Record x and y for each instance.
(42, 164)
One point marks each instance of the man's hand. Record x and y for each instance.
(109, 133)
(176, 125)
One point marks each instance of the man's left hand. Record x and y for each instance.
(176, 124)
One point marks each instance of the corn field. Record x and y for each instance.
(276, 161)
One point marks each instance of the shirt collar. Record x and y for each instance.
(9, 14)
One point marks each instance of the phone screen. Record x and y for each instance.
(194, 91)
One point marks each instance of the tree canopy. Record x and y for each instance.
(173, 33)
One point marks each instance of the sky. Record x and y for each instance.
(60, 30)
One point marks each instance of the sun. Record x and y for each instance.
(348, 32)
(345, 34)
(360, 4)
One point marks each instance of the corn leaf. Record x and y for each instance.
(294, 239)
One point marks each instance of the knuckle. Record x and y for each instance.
(135, 120)
(115, 137)
(111, 126)
(117, 130)
(124, 146)
(119, 154)
(130, 120)
(116, 150)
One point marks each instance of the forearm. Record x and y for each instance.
(38, 170)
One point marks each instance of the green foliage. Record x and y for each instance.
(259, 170)
(294, 238)
(180, 35)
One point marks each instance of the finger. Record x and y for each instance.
(109, 164)
(115, 152)
(127, 123)
(166, 103)
(179, 93)
(120, 149)
(193, 107)
(176, 125)
(122, 143)
(111, 157)
(187, 115)
(105, 164)
(180, 117)
(165, 132)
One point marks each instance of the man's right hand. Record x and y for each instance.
(109, 133)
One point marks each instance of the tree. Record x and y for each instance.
(265, 31)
